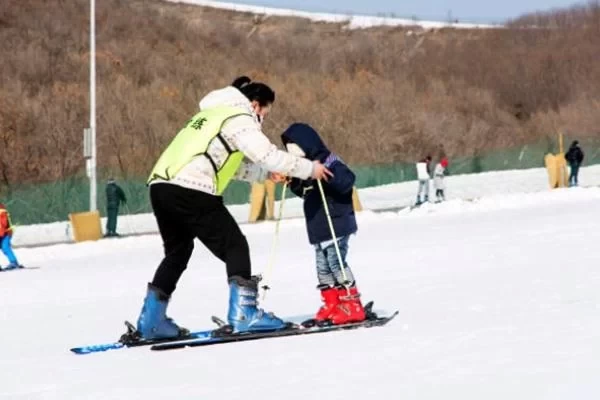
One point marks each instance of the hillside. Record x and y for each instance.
(378, 95)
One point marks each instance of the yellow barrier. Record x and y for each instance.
(355, 200)
(86, 226)
(556, 165)
(258, 210)
(561, 166)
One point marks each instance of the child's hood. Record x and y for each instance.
(307, 139)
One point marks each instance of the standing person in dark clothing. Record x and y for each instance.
(574, 157)
(114, 197)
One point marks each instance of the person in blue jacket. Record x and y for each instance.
(341, 298)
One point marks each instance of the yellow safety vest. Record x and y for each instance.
(193, 141)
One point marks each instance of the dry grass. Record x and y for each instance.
(377, 95)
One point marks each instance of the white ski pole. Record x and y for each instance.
(333, 236)
(275, 240)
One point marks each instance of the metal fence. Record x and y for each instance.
(51, 202)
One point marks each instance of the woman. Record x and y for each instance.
(224, 141)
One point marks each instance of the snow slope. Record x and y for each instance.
(353, 21)
(465, 187)
(499, 299)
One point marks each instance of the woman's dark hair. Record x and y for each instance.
(241, 81)
(255, 90)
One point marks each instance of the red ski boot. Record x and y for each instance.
(329, 295)
(349, 309)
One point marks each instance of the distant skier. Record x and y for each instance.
(222, 142)
(574, 157)
(423, 176)
(341, 305)
(6, 231)
(114, 198)
(438, 179)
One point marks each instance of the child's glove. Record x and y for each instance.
(279, 178)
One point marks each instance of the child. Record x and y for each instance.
(341, 299)
(438, 179)
(5, 238)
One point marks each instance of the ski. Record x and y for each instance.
(131, 339)
(223, 334)
(21, 268)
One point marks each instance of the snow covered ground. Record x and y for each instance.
(459, 188)
(499, 298)
(354, 21)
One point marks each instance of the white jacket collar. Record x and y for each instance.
(228, 96)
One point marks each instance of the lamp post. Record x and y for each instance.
(90, 134)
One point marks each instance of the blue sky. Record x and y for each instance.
(466, 10)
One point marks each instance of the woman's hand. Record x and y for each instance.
(320, 171)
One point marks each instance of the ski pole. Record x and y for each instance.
(335, 242)
(275, 239)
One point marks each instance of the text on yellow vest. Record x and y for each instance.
(193, 141)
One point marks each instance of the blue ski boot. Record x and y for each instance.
(243, 315)
(153, 322)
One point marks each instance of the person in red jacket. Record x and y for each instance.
(6, 230)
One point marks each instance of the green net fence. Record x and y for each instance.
(52, 202)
